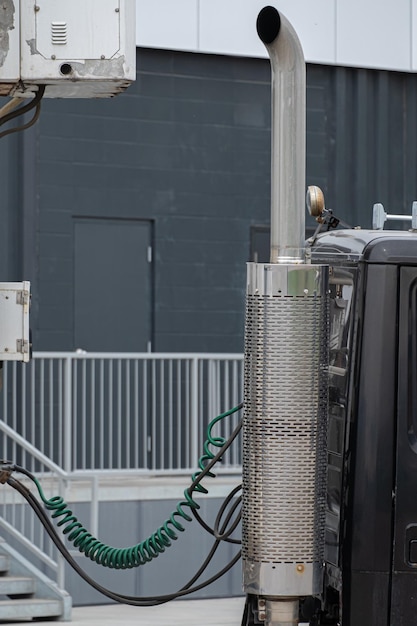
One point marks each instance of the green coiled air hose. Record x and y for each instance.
(156, 544)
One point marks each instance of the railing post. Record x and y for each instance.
(94, 518)
(194, 421)
(5, 387)
(67, 426)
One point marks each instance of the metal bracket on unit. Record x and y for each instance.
(379, 217)
(22, 346)
(23, 297)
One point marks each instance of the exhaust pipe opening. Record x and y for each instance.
(268, 25)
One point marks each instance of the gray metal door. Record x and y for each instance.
(112, 285)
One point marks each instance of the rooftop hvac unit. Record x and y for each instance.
(78, 49)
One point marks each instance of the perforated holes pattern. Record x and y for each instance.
(285, 425)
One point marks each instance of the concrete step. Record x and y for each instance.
(26, 593)
(16, 585)
(29, 609)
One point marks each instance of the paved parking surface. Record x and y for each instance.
(224, 612)
(219, 612)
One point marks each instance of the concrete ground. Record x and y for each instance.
(223, 612)
(220, 612)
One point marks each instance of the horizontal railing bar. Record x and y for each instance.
(233, 470)
(74, 474)
(128, 474)
(145, 356)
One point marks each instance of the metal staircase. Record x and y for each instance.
(26, 593)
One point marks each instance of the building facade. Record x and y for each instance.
(134, 217)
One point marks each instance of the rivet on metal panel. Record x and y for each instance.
(103, 56)
(117, 10)
(37, 8)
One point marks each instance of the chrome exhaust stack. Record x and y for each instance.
(286, 363)
(288, 152)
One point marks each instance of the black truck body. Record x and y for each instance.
(371, 527)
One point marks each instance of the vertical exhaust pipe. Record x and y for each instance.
(288, 152)
(286, 364)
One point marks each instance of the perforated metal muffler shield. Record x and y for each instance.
(285, 429)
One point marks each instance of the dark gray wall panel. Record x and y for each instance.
(372, 123)
(188, 147)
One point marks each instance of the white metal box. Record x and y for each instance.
(9, 45)
(14, 321)
(77, 48)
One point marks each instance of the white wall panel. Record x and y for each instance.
(229, 26)
(374, 33)
(364, 33)
(167, 24)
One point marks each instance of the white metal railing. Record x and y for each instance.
(121, 411)
(64, 415)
